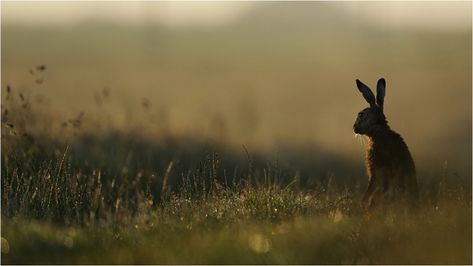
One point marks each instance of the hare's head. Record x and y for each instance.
(373, 116)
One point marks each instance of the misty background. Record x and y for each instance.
(266, 75)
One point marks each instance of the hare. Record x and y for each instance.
(389, 164)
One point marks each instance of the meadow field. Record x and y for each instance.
(63, 206)
(230, 142)
(59, 209)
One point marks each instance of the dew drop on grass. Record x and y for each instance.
(336, 216)
(5, 246)
(68, 242)
(259, 243)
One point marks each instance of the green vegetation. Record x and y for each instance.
(120, 198)
(142, 144)
(57, 208)
(433, 236)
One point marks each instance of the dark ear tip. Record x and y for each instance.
(358, 82)
(382, 80)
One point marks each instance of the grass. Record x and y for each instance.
(304, 240)
(119, 199)
(56, 213)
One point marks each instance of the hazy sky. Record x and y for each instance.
(436, 15)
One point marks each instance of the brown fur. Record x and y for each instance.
(390, 167)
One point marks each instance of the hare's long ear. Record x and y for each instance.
(380, 92)
(367, 93)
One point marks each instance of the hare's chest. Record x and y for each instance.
(379, 158)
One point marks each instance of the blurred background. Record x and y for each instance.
(276, 77)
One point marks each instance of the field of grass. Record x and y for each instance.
(144, 144)
(118, 199)
(53, 212)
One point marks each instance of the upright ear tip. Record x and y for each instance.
(382, 80)
(358, 82)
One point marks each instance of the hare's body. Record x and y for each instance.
(390, 167)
